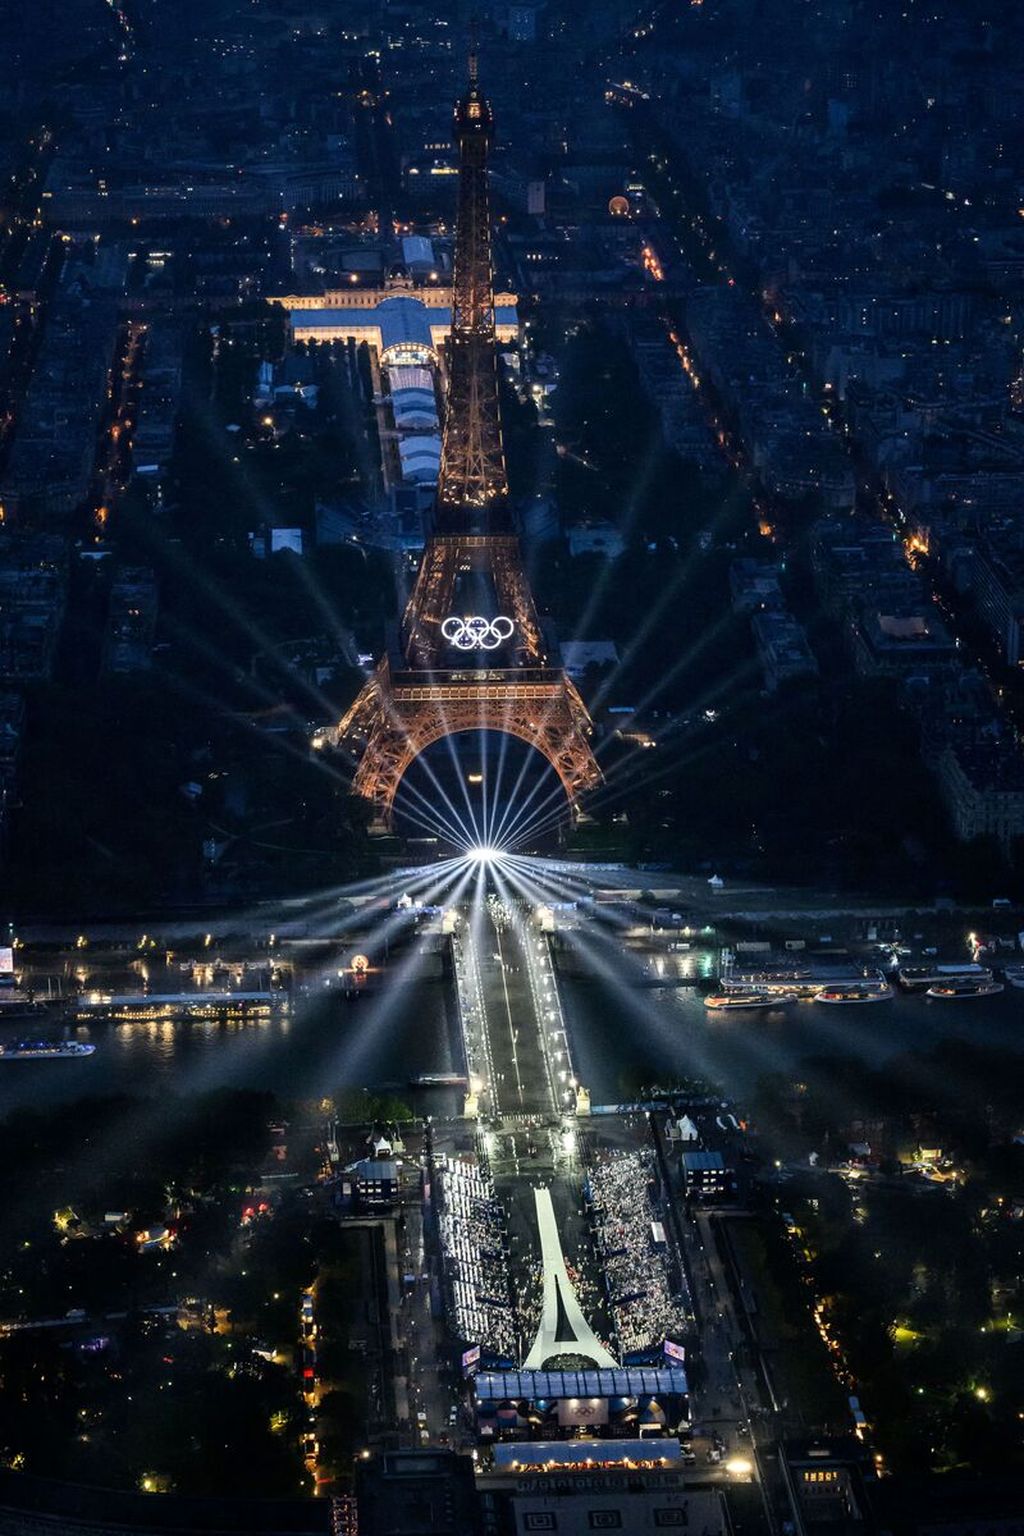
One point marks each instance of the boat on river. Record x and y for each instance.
(752, 999)
(46, 1050)
(855, 992)
(958, 988)
(918, 978)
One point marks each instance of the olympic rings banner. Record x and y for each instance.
(477, 633)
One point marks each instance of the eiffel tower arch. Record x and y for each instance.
(471, 653)
(397, 716)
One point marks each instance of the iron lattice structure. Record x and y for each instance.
(422, 690)
(472, 484)
(398, 714)
(448, 557)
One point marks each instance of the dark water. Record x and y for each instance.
(622, 1037)
(323, 1045)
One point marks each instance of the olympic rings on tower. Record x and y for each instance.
(477, 633)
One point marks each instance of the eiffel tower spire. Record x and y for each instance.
(472, 491)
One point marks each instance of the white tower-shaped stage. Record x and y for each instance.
(563, 1328)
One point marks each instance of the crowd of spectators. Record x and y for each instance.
(633, 1251)
(474, 1242)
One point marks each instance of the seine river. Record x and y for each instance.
(667, 1033)
(323, 1043)
(621, 1036)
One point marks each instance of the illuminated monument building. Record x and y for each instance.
(471, 653)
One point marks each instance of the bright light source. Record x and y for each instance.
(484, 854)
(739, 1466)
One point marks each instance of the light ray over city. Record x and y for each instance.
(511, 781)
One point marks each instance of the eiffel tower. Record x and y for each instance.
(471, 652)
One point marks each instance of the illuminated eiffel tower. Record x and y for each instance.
(471, 653)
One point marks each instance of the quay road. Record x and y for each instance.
(318, 919)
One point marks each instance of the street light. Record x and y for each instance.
(739, 1466)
